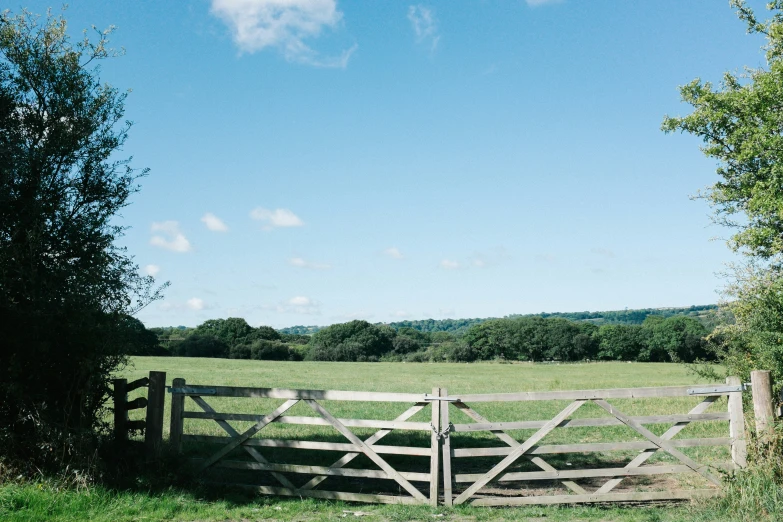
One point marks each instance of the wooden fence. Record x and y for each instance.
(152, 425)
(438, 454)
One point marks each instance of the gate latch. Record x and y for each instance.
(428, 397)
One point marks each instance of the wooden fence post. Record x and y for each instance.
(761, 383)
(435, 449)
(156, 395)
(120, 396)
(739, 452)
(444, 422)
(177, 407)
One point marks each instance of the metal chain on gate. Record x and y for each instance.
(441, 434)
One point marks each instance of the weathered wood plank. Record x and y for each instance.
(580, 473)
(590, 422)
(360, 444)
(434, 447)
(138, 383)
(345, 459)
(739, 450)
(176, 424)
(315, 470)
(282, 393)
(313, 421)
(668, 435)
(591, 447)
(120, 396)
(258, 426)
(331, 495)
(312, 445)
(761, 383)
(615, 393)
(518, 451)
(513, 443)
(153, 432)
(663, 444)
(447, 452)
(610, 497)
(234, 433)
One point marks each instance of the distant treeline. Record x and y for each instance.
(708, 315)
(522, 338)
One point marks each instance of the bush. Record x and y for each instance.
(201, 345)
(263, 350)
(354, 341)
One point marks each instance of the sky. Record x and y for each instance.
(318, 161)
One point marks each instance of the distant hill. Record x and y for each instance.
(706, 314)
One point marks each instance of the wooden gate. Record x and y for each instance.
(595, 483)
(287, 476)
(424, 448)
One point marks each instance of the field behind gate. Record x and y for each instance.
(459, 379)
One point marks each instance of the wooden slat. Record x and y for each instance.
(590, 422)
(668, 435)
(239, 439)
(518, 451)
(663, 444)
(282, 393)
(580, 473)
(434, 447)
(234, 433)
(739, 450)
(513, 443)
(447, 452)
(616, 393)
(312, 445)
(138, 383)
(591, 447)
(176, 424)
(610, 497)
(313, 421)
(314, 470)
(348, 457)
(331, 495)
(360, 444)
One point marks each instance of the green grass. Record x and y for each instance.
(46, 502)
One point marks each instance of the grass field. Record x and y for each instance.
(45, 502)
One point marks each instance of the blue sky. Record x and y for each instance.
(316, 161)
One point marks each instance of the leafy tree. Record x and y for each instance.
(231, 331)
(740, 123)
(620, 342)
(270, 334)
(352, 341)
(66, 289)
(262, 349)
(202, 345)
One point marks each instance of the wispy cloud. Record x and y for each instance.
(214, 223)
(284, 25)
(536, 3)
(393, 252)
(603, 252)
(401, 314)
(448, 264)
(170, 238)
(300, 305)
(302, 263)
(195, 303)
(152, 270)
(425, 25)
(278, 218)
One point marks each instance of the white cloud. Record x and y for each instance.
(448, 264)
(393, 252)
(296, 305)
(284, 25)
(536, 3)
(301, 263)
(171, 238)
(280, 217)
(152, 270)
(604, 252)
(194, 303)
(214, 223)
(424, 24)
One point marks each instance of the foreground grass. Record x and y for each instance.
(45, 502)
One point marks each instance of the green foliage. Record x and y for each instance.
(264, 350)
(619, 342)
(66, 289)
(202, 345)
(353, 341)
(231, 331)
